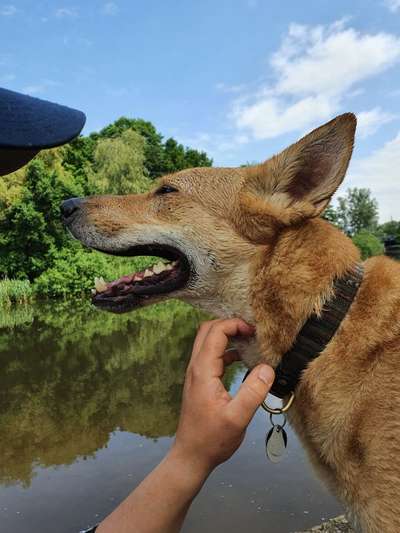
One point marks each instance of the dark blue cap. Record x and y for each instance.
(29, 124)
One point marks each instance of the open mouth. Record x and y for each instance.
(134, 290)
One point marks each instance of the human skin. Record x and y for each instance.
(211, 428)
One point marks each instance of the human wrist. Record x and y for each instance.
(192, 470)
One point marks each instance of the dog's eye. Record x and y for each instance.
(165, 189)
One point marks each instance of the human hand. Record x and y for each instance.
(212, 424)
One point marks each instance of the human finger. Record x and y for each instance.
(201, 334)
(251, 394)
(210, 357)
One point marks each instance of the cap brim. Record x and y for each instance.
(34, 124)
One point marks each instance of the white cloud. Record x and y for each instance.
(66, 12)
(368, 122)
(393, 5)
(380, 171)
(314, 70)
(270, 117)
(332, 59)
(8, 10)
(110, 8)
(218, 145)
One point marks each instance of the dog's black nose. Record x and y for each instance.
(70, 206)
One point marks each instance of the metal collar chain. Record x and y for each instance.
(278, 410)
(274, 410)
(276, 437)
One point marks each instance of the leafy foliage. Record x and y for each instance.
(330, 215)
(368, 243)
(71, 376)
(119, 165)
(31, 230)
(357, 211)
(154, 149)
(177, 157)
(160, 158)
(357, 215)
(121, 159)
(15, 291)
(72, 273)
(390, 229)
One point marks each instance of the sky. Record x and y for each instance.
(240, 79)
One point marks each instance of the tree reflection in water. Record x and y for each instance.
(71, 375)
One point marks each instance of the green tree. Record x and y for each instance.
(357, 211)
(65, 388)
(154, 149)
(368, 243)
(160, 158)
(121, 159)
(177, 157)
(330, 215)
(119, 164)
(390, 229)
(31, 229)
(78, 160)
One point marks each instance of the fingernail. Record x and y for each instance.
(266, 374)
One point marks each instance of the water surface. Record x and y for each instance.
(89, 403)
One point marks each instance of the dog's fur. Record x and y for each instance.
(259, 251)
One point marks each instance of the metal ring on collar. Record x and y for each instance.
(278, 410)
(271, 410)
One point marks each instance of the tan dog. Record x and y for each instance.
(249, 242)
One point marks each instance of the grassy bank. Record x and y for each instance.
(71, 275)
(14, 291)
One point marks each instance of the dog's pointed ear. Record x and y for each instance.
(299, 182)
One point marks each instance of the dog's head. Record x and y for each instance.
(209, 223)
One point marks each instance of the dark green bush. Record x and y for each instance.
(368, 243)
(74, 269)
(72, 273)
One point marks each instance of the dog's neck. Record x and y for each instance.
(232, 297)
(292, 280)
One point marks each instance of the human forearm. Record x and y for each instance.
(161, 501)
(211, 427)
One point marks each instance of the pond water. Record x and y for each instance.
(89, 403)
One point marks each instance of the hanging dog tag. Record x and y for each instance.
(275, 443)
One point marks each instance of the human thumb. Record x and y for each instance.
(252, 393)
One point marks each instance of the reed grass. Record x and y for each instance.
(16, 315)
(15, 291)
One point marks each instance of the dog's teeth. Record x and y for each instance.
(138, 277)
(147, 273)
(100, 284)
(168, 266)
(93, 291)
(158, 268)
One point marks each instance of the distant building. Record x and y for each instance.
(392, 247)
